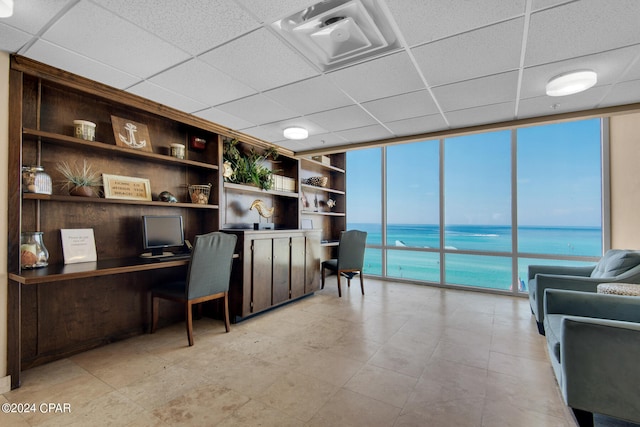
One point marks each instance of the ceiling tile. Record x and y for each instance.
(417, 125)
(581, 28)
(304, 122)
(220, 117)
(31, 15)
(12, 39)
(201, 82)
(163, 96)
(325, 140)
(403, 106)
(272, 10)
(257, 109)
(622, 93)
(427, 20)
(343, 118)
(482, 52)
(379, 78)
(482, 115)
(608, 65)
(64, 59)
(310, 96)
(368, 133)
(102, 36)
(473, 93)
(546, 105)
(192, 25)
(543, 4)
(260, 60)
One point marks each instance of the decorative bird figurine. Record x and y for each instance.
(262, 209)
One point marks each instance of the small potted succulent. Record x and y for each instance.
(80, 181)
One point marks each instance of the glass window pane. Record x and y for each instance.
(373, 261)
(477, 191)
(478, 270)
(364, 193)
(413, 200)
(414, 265)
(524, 263)
(560, 189)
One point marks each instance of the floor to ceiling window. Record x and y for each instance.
(476, 210)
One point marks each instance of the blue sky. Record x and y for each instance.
(559, 174)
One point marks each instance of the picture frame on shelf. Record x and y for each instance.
(130, 134)
(126, 187)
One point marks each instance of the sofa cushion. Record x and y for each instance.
(616, 262)
(553, 330)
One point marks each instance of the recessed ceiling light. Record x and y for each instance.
(6, 8)
(570, 83)
(296, 133)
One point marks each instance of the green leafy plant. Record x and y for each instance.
(79, 176)
(248, 167)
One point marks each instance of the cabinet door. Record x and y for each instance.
(261, 262)
(297, 266)
(312, 264)
(280, 270)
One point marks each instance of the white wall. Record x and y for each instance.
(5, 381)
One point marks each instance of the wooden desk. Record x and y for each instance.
(59, 273)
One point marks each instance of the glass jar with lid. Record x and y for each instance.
(35, 180)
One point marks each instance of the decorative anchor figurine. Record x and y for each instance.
(131, 142)
(264, 212)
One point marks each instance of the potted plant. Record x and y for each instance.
(80, 181)
(247, 168)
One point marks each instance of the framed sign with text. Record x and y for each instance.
(126, 187)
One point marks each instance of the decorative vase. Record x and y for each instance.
(33, 253)
(82, 191)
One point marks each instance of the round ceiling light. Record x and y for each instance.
(296, 133)
(6, 8)
(570, 83)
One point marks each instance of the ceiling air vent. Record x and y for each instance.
(336, 33)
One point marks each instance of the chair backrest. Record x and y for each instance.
(210, 267)
(351, 250)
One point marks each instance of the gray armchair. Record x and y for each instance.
(616, 266)
(594, 347)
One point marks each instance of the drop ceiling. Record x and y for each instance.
(450, 64)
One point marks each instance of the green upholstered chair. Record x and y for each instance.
(616, 266)
(207, 278)
(350, 258)
(593, 342)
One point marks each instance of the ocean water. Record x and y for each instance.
(474, 270)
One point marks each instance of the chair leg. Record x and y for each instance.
(155, 304)
(361, 282)
(348, 281)
(226, 312)
(338, 278)
(540, 327)
(189, 319)
(323, 272)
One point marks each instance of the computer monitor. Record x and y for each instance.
(160, 232)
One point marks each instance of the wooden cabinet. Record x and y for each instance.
(275, 267)
(316, 208)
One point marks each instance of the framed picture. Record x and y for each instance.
(126, 187)
(131, 134)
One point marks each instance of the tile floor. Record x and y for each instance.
(403, 355)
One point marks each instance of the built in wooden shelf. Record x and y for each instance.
(315, 162)
(251, 189)
(54, 138)
(76, 199)
(323, 213)
(316, 188)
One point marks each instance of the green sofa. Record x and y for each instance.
(593, 342)
(616, 266)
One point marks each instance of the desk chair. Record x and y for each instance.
(207, 278)
(350, 258)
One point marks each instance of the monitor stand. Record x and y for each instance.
(154, 254)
